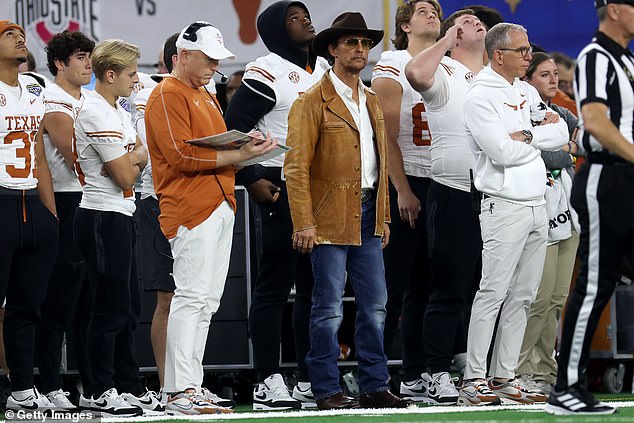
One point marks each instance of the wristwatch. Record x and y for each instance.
(529, 136)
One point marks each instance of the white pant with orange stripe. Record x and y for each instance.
(514, 240)
(201, 262)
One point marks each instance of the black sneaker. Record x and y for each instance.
(575, 401)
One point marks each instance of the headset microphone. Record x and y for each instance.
(223, 77)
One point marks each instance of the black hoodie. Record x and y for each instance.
(247, 106)
(277, 41)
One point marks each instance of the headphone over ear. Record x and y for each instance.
(190, 32)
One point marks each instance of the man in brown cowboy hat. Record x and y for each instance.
(336, 176)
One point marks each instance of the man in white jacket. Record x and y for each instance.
(511, 176)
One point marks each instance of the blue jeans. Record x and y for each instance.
(364, 265)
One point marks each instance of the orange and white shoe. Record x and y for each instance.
(192, 403)
(513, 392)
(477, 392)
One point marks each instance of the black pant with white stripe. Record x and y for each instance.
(603, 196)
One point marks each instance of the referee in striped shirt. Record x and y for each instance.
(602, 195)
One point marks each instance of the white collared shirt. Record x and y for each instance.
(369, 171)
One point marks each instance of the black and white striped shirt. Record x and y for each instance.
(605, 74)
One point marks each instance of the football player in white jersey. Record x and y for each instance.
(269, 87)
(409, 138)
(28, 218)
(109, 158)
(68, 57)
(452, 221)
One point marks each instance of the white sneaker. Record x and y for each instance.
(529, 382)
(513, 392)
(416, 390)
(477, 392)
(306, 396)
(111, 404)
(34, 401)
(162, 396)
(273, 394)
(526, 380)
(84, 403)
(192, 403)
(60, 400)
(149, 402)
(542, 386)
(442, 390)
(215, 399)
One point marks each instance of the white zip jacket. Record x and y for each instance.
(505, 168)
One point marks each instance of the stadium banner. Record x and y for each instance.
(147, 23)
(563, 25)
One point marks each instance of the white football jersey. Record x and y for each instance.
(102, 133)
(287, 81)
(21, 110)
(414, 137)
(147, 182)
(58, 100)
(451, 155)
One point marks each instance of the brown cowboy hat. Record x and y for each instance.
(344, 24)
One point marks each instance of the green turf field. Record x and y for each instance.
(519, 414)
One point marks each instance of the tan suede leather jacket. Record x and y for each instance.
(323, 169)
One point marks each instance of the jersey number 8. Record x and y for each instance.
(420, 130)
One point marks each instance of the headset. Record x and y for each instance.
(190, 32)
(190, 35)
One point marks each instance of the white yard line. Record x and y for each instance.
(360, 412)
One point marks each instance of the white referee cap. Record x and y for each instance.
(204, 37)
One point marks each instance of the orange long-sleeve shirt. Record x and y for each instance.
(188, 184)
(562, 99)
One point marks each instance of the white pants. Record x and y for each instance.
(514, 248)
(201, 262)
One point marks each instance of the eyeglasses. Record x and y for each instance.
(366, 43)
(523, 51)
(190, 32)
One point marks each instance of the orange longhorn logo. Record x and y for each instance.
(247, 11)
(513, 4)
